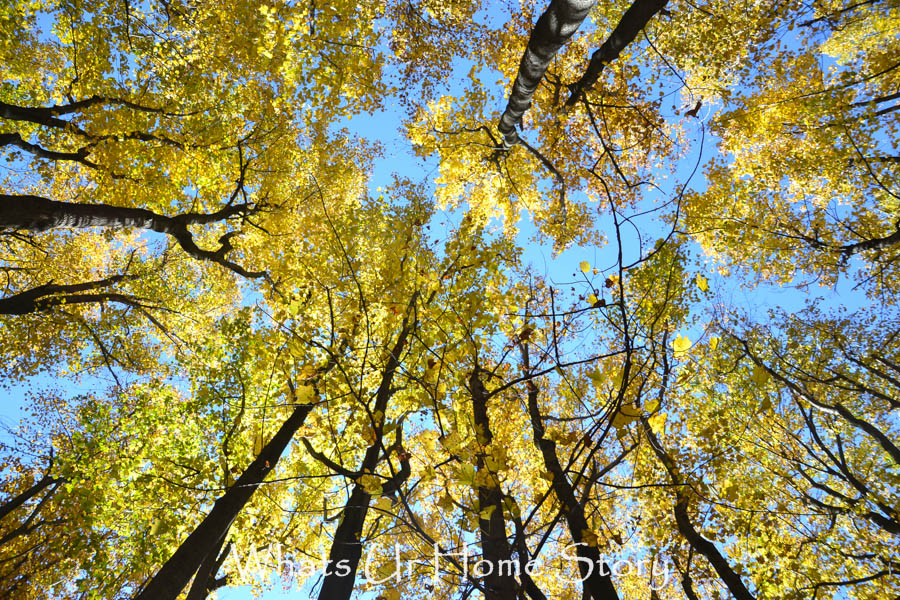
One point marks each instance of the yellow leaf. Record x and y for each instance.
(304, 394)
(510, 507)
(681, 345)
(590, 538)
(584, 266)
(630, 410)
(371, 484)
(466, 474)
(759, 376)
(713, 343)
(445, 502)
(657, 422)
(702, 283)
(486, 513)
(621, 420)
(157, 527)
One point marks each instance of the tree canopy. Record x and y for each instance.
(450, 299)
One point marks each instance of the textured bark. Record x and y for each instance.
(553, 28)
(206, 538)
(632, 23)
(848, 250)
(598, 583)
(494, 545)
(36, 213)
(700, 544)
(872, 244)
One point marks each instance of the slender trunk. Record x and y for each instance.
(529, 586)
(632, 23)
(207, 537)
(14, 503)
(495, 547)
(553, 29)
(700, 544)
(687, 584)
(597, 581)
(346, 548)
(15, 139)
(48, 295)
(205, 578)
(28, 525)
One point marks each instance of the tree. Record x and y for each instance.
(252, 361)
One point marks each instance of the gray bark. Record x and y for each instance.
(35, 213)
(553, 29)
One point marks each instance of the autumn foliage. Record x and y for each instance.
(606, 290)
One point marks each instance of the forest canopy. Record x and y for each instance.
(446, 299)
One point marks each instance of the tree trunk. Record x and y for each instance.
(495, 548)
(346, 548)
(207, 537)
(49, 295)
(14, 503)
(700, 544)
(553, 29)
(597, 582)
(206, 575)
(35, 213)
(632, 23)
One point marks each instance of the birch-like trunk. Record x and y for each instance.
(553, 29)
